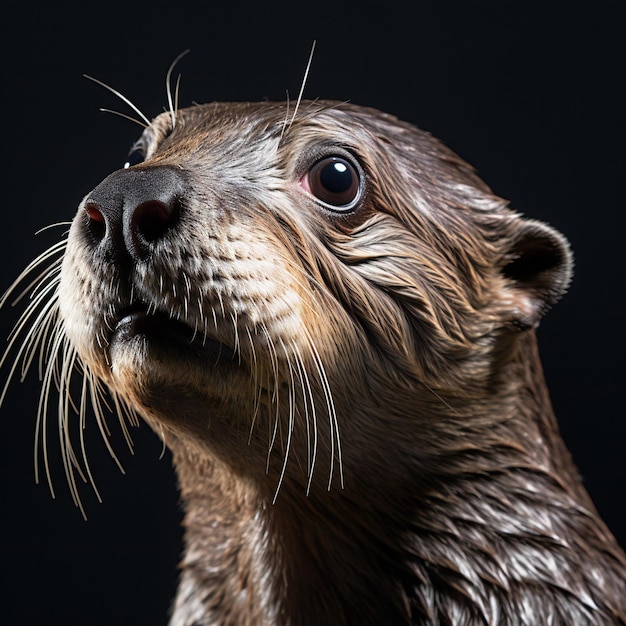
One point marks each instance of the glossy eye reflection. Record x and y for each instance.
(335, 182)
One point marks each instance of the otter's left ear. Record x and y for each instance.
(538, 266)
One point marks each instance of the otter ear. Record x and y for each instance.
(538, 267)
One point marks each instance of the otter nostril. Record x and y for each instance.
(132, 209)
(151, 220)
(97, 223)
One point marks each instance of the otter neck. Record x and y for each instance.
(249, 561)
(471, 540)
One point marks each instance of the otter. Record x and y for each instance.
(329, 319)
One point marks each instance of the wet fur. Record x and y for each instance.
(382, 450)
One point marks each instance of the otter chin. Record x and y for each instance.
(330, 321)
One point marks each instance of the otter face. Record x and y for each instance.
(255, 284)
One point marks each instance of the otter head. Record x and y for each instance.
(302, 297)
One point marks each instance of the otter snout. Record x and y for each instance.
(132, 209)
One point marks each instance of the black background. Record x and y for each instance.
(533, 96)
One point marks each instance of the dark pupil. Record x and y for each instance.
(336, 177)
(335, 182)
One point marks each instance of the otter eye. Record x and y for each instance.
(136, 155)
(334, 181)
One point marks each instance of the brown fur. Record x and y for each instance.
(380, 448)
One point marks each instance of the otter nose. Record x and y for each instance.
(133, 208)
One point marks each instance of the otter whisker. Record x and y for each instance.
(123, 99)
(176, 94)
(123, 413)
(236, 343)
(254, 376)
(56, 249)
(273, 361)
(69, 363)
(290, 425)
(107, 358)
(69, 458)
(51, 374)
(187, 294)
(274, 394)
(53, 225)
(173, 104)
(41, 332)
(41, 309)
(43, 337)
(71, 462)
(304, 79)
(95, 392)
(35, 333)
(123, 115)
(187, 282)
(195, 330)
(41, 431)
(82, 413)
(202, 322)
(128, 413)
(109, 320)
(206, 330)
(48, 282)
(308, 400)
(221, 300)
(53, 357)
(335, 440)
(164, 446)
